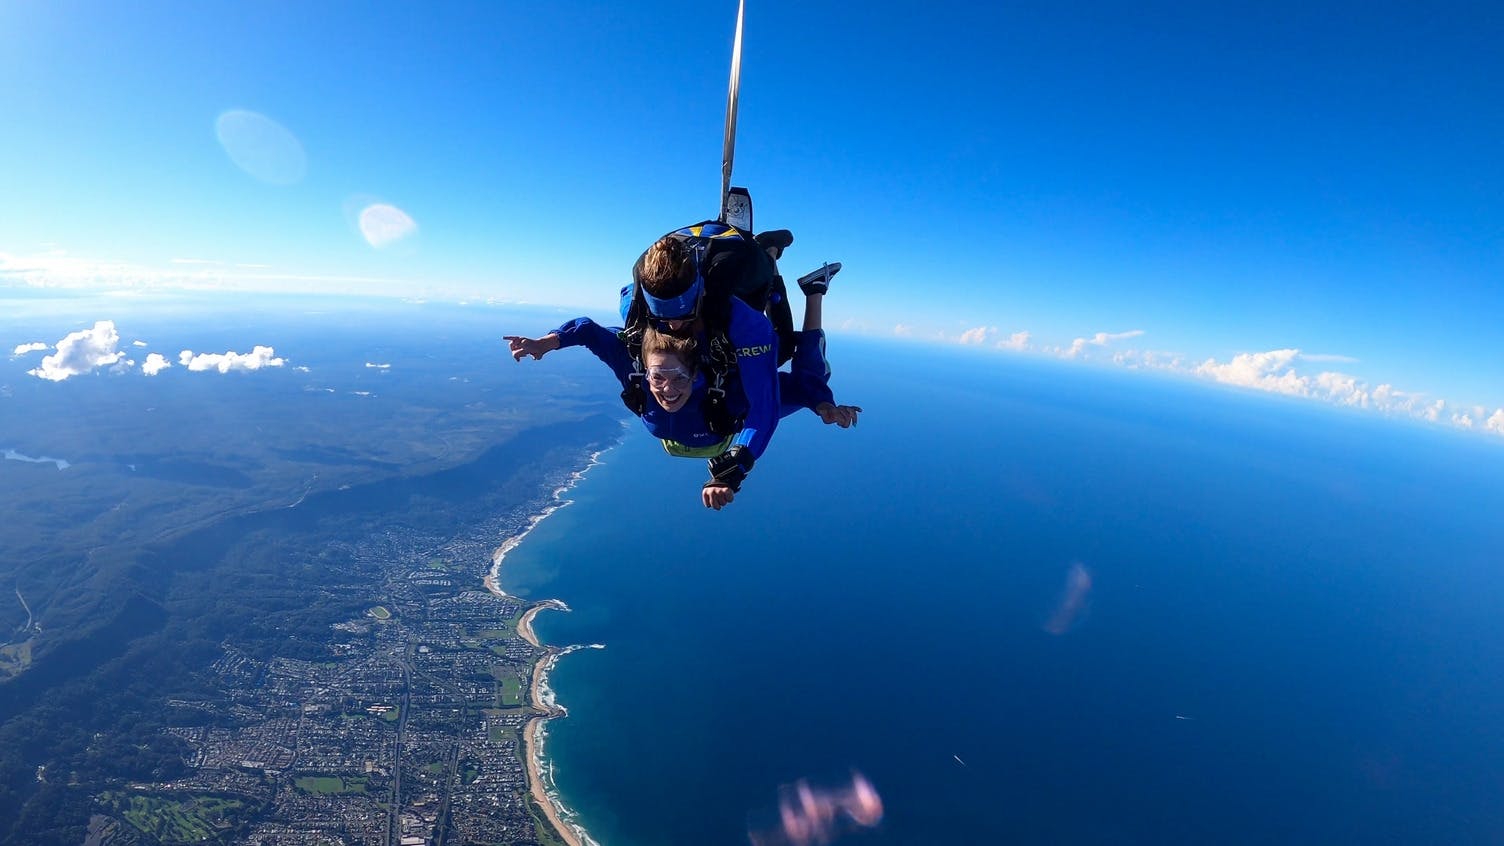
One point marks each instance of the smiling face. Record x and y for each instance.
(669, 379)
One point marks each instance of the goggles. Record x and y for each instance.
(669, 377)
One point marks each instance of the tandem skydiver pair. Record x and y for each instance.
(706, 325)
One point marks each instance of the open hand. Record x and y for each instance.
(841, 415)
(535, 347)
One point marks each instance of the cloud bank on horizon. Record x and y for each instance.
(56, 269)
(98, 348)
(1273, 371)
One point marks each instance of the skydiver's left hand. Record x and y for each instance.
(841, 415)
(537, 348)
(717, 496)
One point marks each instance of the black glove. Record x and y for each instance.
(730, 467)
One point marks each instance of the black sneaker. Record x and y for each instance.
(775, 241)
(818, 281)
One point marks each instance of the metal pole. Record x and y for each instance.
(728, 149)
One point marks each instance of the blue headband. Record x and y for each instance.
(676, 308)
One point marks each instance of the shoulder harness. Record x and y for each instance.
(717, 354)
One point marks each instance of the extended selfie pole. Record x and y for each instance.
(736, 203)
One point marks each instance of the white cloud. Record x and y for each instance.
(1101, 339)
(383, 224)
(81, 352)
(1266, 371)
(903, 330)
(1328, 358)
(138, 343)
(1276, 371)
(1149, 359)
(23, 349)
(1018, 341)
(979, 335)
(256, 359)
(378, 366)
(1343, 389)
(155, 363)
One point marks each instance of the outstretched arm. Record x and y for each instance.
(535, 347)
(603, 342)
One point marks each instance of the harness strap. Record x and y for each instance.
(634, 395)
(721, 360)
(718, 358)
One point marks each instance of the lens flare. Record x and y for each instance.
(1073, 600)
(815, 815)
(261, 147)
(384, 224)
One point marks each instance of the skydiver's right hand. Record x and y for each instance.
(535, 347)
(841, 415)
(717, 496)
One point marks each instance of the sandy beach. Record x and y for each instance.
(534, 751)
(525, 628)
(532, 733)
(542, 700)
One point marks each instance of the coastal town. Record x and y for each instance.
(416, 729)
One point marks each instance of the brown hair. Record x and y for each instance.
(667, 269)
(683, 349)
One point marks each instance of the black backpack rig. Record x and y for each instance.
(733, 264)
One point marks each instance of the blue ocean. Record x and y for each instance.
(1034, 602)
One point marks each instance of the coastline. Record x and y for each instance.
(541, 697)
(492, 578)
(534, 735)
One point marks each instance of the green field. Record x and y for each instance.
(177, 819)
(331, 784)
(380, 613)
(510, 694)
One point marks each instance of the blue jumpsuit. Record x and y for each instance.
(767, 394)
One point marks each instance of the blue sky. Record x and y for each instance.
(1196, 181)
